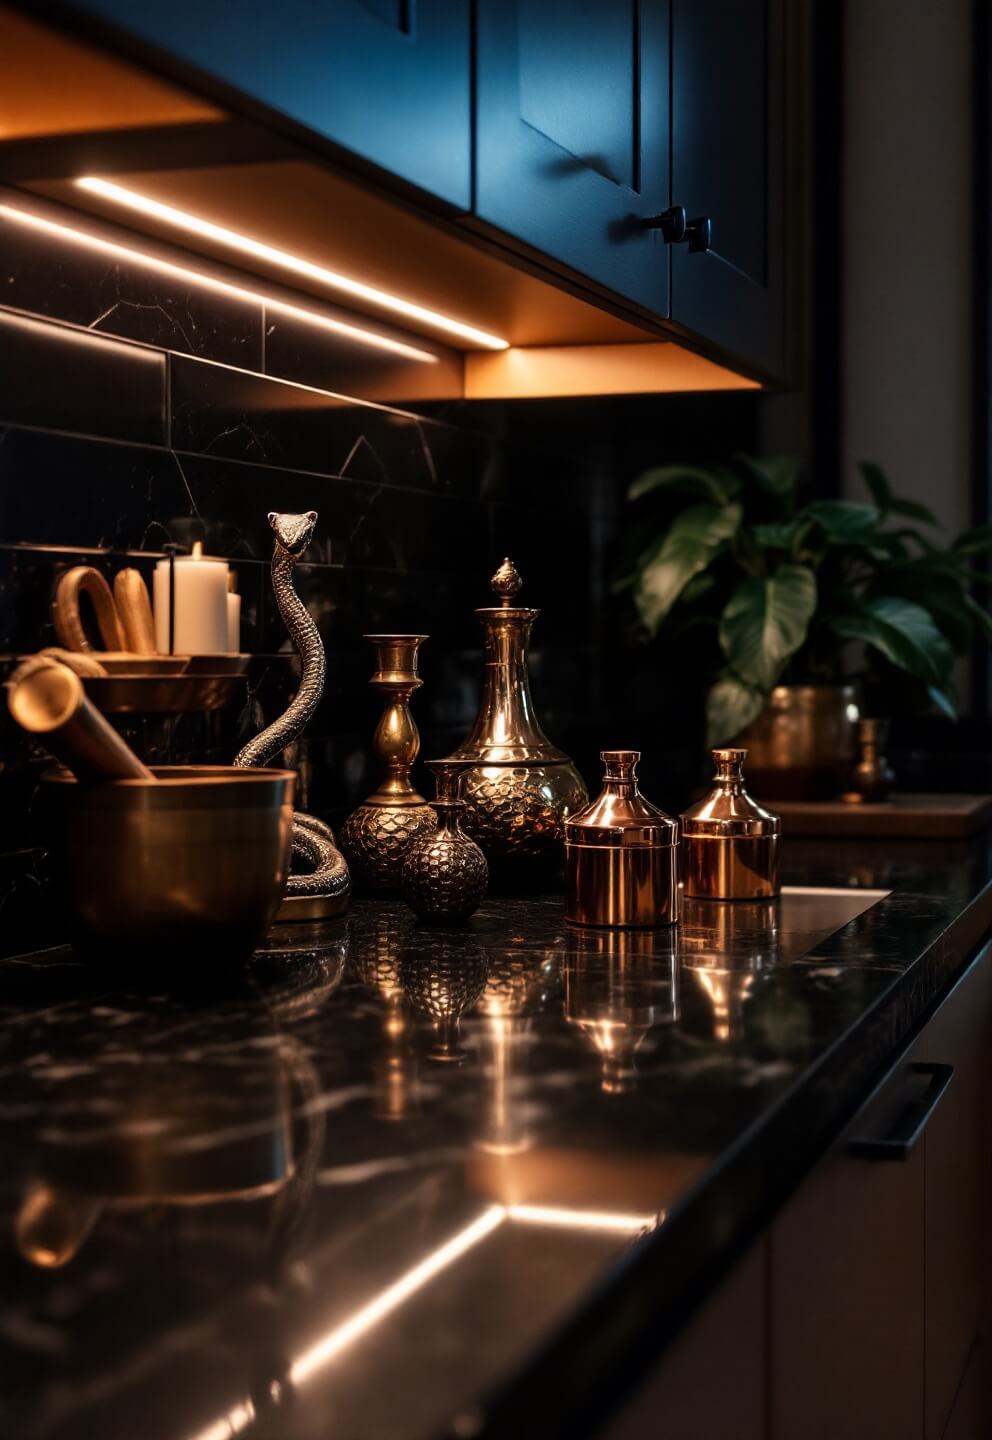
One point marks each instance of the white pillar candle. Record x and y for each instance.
(234, 622)
(200, 605)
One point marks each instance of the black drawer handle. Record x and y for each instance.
(901, 1141)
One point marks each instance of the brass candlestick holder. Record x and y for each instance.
(872, 778)
(518, 788)
(376, 836)
(445, 874)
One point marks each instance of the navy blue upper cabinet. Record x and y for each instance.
(727, 165)
(389, 80)
(572, 143)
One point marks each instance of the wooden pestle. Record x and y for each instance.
(47, 700)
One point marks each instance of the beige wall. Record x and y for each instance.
(907, 237)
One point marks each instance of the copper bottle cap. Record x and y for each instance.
(730, 842)
(620, 815)
(621, 854)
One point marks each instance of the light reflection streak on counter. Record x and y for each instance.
(85, 240)
(369, 1315)
(295, 264)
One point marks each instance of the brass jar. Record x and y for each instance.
(802, 746)
(518, 788)
(730, 843)
(621, 854)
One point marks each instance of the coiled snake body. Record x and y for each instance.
(325, 872)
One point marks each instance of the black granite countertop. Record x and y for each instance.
(394, 1183)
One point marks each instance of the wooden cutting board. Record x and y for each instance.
(905, 817)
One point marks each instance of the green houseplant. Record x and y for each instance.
(776, 586)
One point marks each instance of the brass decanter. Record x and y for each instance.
(518, 788)
(730, 843)
(376, 836)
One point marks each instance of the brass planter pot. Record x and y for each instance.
(803, 744)
(190, 869)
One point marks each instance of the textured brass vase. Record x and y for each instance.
(519, 789)
(730, 844)
(376, 836)
(445, 873)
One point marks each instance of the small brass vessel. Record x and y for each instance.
(519, 789)
(376, 836)
(872, 778)
(621, 854)
(186, 867)
(730, 843)
(445, 874)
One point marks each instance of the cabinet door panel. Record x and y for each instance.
(711, 1382)
(847, 1292)
(956, 1188)
(727, 164)
(572, 135)
(389, 80)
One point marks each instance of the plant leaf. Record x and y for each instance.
(889, 504)
(730, 707)
(974, 542)
(713, 482)
(778, 476)
(774, 537)
(903, 632)
(846, 521)
(691, 542)
(765, 621)
(944, 700)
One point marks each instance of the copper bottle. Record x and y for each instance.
(730, 843)
(621, 854)
(518, 788)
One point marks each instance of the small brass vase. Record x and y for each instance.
(730, 843)
(376, 836)
(872, 778)
(445, 874)
(519, 789)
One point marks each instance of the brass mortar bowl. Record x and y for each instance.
(188, 867)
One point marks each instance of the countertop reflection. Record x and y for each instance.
(394, 1182)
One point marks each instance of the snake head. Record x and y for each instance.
(293, 532)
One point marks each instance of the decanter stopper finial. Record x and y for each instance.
(507, 583)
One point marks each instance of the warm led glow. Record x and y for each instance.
(238, 1418)
(319, 274)
(581, 1219)
(221, 287)
(333, 1343)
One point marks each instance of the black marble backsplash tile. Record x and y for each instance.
(55, 276)
(137, 411)
(68, 379)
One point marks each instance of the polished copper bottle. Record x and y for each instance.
(621, 854)
(518, 788)
(730, 843)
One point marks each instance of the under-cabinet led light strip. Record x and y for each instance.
(258, 250)
(87, 240)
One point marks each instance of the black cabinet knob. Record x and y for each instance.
(675, 228)
(670, 222)
(699, 233)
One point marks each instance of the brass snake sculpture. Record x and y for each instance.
(326, 874)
